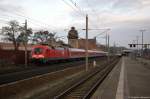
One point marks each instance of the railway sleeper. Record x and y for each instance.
(81, 90)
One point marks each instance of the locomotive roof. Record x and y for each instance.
(82, 50)
(76, 49)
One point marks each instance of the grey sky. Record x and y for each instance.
(124, 17)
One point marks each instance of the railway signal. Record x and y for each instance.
(132, 45)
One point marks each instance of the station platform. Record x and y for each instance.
(129, 79)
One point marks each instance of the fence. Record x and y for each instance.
(12, 57)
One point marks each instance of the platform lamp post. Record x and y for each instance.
(142, 31)
(107, 44)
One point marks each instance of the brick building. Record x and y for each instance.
(91, 44)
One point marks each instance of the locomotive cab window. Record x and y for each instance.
(38, 50)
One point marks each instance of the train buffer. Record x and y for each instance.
(130, 79)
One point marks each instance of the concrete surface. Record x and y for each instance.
(130, 79)
(107, 90)
(137, 79)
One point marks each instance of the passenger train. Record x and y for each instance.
(45, 53)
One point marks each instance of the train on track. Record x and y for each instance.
(45, 53)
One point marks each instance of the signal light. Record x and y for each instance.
(130, 45)
(145, 45)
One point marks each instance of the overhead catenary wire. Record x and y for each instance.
(78, 7)
(72, 6)
(94, 12)
(84, 14)
(37, 24)
(101, 33)
(26, 17)
(4, 21)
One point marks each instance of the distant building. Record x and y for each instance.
(73, 33)
(74, 42)
(101, 47)
(91, 44)
(73, 38)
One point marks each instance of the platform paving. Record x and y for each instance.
(130, 79)
(107, 90)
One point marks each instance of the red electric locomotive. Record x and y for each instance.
(45, 53)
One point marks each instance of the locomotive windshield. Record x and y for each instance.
(37, 50)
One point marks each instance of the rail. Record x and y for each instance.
(84, 88)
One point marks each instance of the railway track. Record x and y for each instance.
(28, 73)
(85, 87)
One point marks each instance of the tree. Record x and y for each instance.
(44, 37)
(15, 33)
(25, 35)
(11, 33)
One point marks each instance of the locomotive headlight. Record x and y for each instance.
(37, 56)
(40, 56)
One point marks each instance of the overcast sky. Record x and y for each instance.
(124, 17)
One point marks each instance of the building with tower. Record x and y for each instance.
(75, 42)
(73, 37)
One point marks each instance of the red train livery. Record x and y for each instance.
(45, 53)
